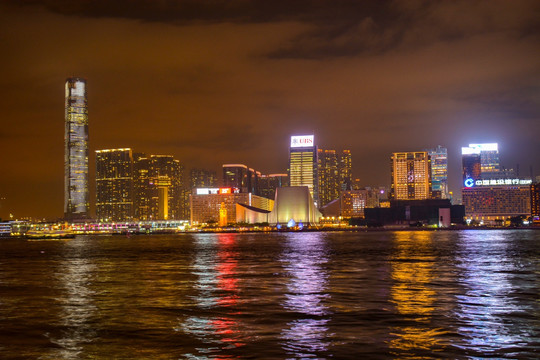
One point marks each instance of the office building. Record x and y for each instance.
(303, 164)
(76, 196)
(202, 178)
(165, 188)
(411, 176)
(141, 201)
(114, 185)
(480, 161)
(345, 170)
(496, 200)
(241, 177)
(269, 183)
(439, 172)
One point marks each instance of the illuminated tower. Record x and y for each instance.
(439, 172)
(489, 159)
(303, 164)
(76, 202)
(165, 198)
(345, 170)
(329, 176)
(411, 176)
(114, 185)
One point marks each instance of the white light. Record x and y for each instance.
(486, 147)
(469, 151)
(302, 141)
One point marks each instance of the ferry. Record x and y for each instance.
(50, 234)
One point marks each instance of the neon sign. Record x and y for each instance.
(496, 182)
(302, 141)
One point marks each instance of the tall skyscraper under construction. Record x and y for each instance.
(76, 198)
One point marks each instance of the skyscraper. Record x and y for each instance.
(329, 176)
(202, 178)
(411, 176)
(239, 176)
(269, 183)
(165, 187)
(303, 164)
(439, 172)
(480, 161)
(114, 185)
(345, 170)
(76, 198)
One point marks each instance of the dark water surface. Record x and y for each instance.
(375, 295)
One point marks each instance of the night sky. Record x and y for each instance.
(214, 82)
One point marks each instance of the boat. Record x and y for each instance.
(50, 234)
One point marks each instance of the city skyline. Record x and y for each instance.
(211, 87)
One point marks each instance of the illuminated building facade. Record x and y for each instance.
(165, 187)
(328, 176)
(114, 185)
(439, 172)
(495, 203)
(76, 196)
(334, 172)
(141, 183)
(202, 178)
(218, 205)
(303, 164)
(352, 203)
(269, 183)
(241, 177)
(535, 202)
(411, 176)
(480, 161)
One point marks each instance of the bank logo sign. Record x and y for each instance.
(302, 141)
(496, 182)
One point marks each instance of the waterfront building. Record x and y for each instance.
(218, 205)
(76, 196)
(345, 170)
(303, 164)
(114, 185)
(141, 183)
(293, 206)
(411, 176)
(535, 201)
(352, 203)
(496, 200)
(439, 172)
(269, 183)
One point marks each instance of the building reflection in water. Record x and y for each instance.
(217, 290)
(413, 295)
(487, 306)
(304, 259)
(75, 276)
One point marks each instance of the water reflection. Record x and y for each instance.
(75, 276)
(215, 266)
(304, 258)
(413, 295)
(488, 310)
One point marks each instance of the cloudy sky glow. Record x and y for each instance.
(218, 82)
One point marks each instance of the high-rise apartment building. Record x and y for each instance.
(76, 197)
(202, 178)
(269, 183)
(328, 166)
(165, 187)
(345, 170)
(303, 164)
(411, 176)
(114, 185)
(141, 184)
(535, 202)
(439, 172)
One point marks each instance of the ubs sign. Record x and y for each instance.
(302, 141)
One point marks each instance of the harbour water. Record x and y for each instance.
(351, 295)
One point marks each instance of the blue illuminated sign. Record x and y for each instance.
(469, 182)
